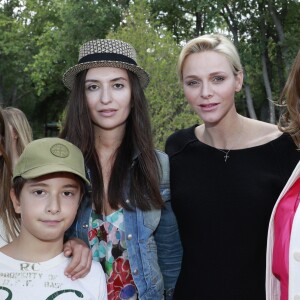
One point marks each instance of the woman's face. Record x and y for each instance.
(209, 85)
(108, 94)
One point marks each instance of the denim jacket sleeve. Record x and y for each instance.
(169, 249)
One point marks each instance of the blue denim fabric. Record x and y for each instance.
(153, 242)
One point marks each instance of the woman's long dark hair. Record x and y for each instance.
(290, 99)
(145, 169)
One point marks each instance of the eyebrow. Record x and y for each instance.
(71, 186)
(218, 73)
(210, 74)
(33, 184)
(113, 80)
(40, 184)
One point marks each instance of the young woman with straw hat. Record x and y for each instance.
(126, 219)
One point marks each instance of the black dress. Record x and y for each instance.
(223, 210)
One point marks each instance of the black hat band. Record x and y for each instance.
(108, 57)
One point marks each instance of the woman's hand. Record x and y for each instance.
(81, 260)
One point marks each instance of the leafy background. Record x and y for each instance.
(40, 39)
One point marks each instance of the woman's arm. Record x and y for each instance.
(169, 249)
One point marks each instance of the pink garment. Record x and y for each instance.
(283, 221)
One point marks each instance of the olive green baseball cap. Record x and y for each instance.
(50, 155)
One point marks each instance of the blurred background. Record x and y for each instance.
(39, 41)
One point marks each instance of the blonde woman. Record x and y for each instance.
(225, 176)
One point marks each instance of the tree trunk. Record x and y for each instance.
(14, 96)
(281, 55)
(268, 88)
(1, 91)
(277, 22)
(198, 29)
(264, 58)
(280, 68)
(249, 102)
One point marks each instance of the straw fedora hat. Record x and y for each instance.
(106, 53)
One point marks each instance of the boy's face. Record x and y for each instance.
(48, 205)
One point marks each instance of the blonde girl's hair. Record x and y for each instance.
(15, 118)
(14, 125)
(210, 42)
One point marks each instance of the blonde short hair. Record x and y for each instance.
(210, 42)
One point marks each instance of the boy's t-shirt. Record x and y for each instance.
(46, 280)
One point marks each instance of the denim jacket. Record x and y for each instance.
(152, 238)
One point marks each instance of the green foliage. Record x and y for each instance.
(13, 55)
(39, 41)
(186, 19)
(252, 26)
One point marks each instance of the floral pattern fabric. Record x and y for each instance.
(108, 244)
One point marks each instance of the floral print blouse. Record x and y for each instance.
(108, 244)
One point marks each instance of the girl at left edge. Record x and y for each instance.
(15, 134)
(127, 218)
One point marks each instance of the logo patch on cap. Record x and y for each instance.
(60, 150)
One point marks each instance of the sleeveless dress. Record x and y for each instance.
(108, 244)
(223, 211)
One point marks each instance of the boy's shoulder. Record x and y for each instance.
(8, 260)
(97, 268)
(95, 278)
(96, 272)
(50, 279)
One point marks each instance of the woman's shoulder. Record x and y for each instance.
(260, 133)
(179, 139)
(185, 132)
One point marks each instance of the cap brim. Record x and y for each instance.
(50, 169)
(70, 74)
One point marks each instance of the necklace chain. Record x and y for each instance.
(226, 156)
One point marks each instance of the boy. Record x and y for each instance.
(48, 184)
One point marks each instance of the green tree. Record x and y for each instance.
(14, 84)
(75, 22)
(264, 31)
(39, 41)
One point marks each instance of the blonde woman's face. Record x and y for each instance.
(209, 85)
